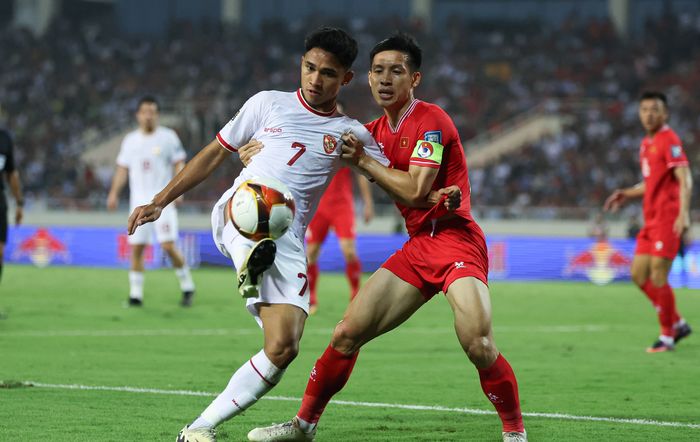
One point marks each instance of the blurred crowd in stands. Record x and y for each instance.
(66, 91)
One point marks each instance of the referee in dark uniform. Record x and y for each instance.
(7, 168)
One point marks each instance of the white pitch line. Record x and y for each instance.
(252, 331)
(472, 411)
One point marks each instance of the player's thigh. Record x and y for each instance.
(166, 226)
(641, 268)
(659, 269)
(317, 230)
(384, 302)
(142, 236)
(313, 250)
(471, 304)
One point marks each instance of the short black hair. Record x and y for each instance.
(401, 42)
(336, 41)
(654, 95)
(147, 99)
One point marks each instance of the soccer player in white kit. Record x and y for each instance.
(150, 156)
(301, 131)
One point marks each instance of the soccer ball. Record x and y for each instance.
(261, 208)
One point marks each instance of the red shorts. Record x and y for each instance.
(340, 217)
(658, 241)
(432, 262)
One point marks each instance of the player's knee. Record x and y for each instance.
(350, 255)
(282, 352)
(480, 349)
(346, 338)
(658, 277)
(639, 277)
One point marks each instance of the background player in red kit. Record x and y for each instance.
(336, 210)
(419, 138)
(666, 190)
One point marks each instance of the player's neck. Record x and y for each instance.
(394, 113)
(147, 130)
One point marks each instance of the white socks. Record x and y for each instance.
(136, 284)
(185, 278)
(248, 384)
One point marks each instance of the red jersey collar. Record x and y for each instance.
(403, 117)
(308, 107)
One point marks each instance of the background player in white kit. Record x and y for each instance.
(301, 131)
(150, 156)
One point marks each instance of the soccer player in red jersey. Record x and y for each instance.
(446, 251)
(665, 190)
(336, 209)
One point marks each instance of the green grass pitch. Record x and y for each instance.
(576, 348)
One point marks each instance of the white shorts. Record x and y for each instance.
(165, 229)
(286, 282)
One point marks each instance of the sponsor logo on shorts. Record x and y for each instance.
(459, 264)
(658, 245)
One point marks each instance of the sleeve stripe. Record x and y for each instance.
(224, 144)
(676, 164)
(432, 165)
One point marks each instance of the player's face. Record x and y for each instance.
(321, 78)
(147, 116)
(391, 79)
(652, 114)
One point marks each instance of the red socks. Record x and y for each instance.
(329, 375)
(664, 302)
(353, 269)
(312, 273)
(500, 387)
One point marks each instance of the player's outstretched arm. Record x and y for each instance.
(409, 188)
(121, 174)
(196, 171)
(620, 196)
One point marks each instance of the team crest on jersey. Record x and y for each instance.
(425, 150)
(404, 142)
(434, 136)
(676, 151)
(329, 143)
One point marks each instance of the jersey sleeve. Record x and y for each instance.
(435, 135)
(123, 159)
(243, 125)
(674, 154)
(372, 148)
(178, 153)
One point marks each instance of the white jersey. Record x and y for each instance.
(150, 159)
(301, 146)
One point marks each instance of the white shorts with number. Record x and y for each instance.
(285, 282)
(165, 228)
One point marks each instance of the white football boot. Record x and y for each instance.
(515, 436)
(288, 431)
(196, 435)
(259, 259)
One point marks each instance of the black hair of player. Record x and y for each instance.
(148, 99)
(401, 42)
(654, 95)
(336, 41)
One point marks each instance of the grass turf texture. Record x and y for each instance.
(576, 348)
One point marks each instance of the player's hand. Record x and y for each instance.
(142, 215)
(352, 149)
(681, 225)
(249, 150)
(112, 202)
(615, 201)
(453, 199)
(19, 213)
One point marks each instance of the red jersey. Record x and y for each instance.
(339, 191)
(420, 123)
(658, 156)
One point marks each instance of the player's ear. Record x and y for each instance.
(415, 79)
(347, 78)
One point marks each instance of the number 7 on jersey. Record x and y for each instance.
(302, 149)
